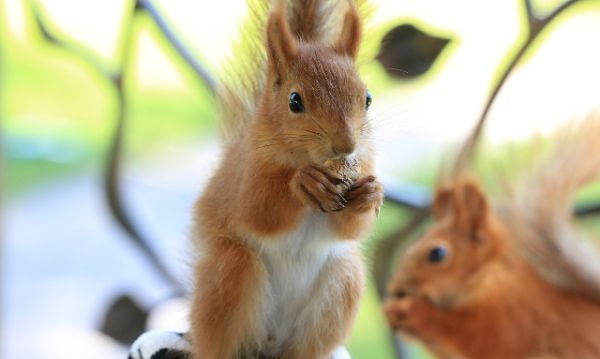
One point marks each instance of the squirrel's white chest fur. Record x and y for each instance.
(294, 263)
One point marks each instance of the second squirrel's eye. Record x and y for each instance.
(437, 254)
(296, 105)
(369, 100)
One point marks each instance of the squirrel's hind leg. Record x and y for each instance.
(226, 303)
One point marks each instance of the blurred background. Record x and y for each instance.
(72, 72)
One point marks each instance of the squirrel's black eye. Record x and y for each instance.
(296, 105)
(369, 100)
(437, 254)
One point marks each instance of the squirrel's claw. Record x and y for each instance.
(318, 191)
(365, 194)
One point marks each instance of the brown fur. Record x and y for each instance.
(226, 300)
(267, 183)
(493, 296)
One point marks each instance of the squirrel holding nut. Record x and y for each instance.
(517, 281)
(279, 271)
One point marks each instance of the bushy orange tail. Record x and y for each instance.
(544, 207)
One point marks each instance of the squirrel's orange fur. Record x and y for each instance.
(514, 283)
(280, 272)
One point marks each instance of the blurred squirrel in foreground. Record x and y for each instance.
(514, 282)
(280, 273)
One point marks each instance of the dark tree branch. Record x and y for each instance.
(535, 28)
(183, 51)
(588, 210)
(382, 263)
(112, 177)
(410, 198)
(386, 249)
(79, 51)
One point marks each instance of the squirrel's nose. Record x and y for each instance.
(343, 147)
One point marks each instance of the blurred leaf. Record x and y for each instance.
(125, 320)
(407, 52)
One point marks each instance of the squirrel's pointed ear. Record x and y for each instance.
(443, 203)
(349, 40)
(281, 44)
(473, 206)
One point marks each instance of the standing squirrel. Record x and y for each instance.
(517, 282)
(280, 273)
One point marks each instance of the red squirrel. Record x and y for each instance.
(516, 281)
(280, 273)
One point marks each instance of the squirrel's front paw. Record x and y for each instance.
(399, 313)
(410, 315)
(317, 189)
(365, 194)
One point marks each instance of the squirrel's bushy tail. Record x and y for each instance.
(544, 206)
(242, 76)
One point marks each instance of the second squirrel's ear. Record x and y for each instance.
(465, 203)
(473, 208)
(443, 203)
(349, 40)
(282, 47)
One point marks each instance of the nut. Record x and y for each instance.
(347, 169)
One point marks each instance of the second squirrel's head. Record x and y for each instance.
(314, 100)
(447, 264)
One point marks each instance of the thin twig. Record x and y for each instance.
(183, 51)
(588, 210)
(468, 150)
(79, 51)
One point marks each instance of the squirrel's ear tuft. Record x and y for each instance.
(349, 40)
(281, 44)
